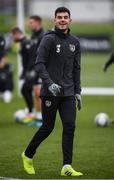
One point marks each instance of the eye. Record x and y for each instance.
(66, 17)
(59, 17)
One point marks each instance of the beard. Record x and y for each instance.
(63, 29)
(17, 40)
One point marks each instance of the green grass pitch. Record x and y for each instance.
(93, 146)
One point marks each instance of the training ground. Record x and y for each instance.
(93, 146)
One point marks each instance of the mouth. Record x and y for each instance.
(62, 24)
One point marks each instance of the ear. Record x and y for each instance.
(54, 20)
(70, 20)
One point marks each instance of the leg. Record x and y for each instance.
(8, 90)
(36, 90)
(67, 110)
(37, 101)
(49, 109)
(27, 94)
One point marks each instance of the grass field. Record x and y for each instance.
(92, 74)
(93, 146)
(92, 71)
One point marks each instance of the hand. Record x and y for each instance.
(54, 89)
(78, 99)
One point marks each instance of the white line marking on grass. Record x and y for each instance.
(98, 91)
(8, 178)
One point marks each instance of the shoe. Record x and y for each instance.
(28, 164)
(69, 171)
(29, 118)
(39, 122)
(36, 123)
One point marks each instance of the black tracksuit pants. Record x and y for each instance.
(67, 110)
(28, 97)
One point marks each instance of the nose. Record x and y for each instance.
(62, 19)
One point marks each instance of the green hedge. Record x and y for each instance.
(94, 29)
(7, 22)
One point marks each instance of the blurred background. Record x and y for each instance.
(93, 23)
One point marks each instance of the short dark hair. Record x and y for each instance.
(16, 30)
(36, 18)
(62, 9)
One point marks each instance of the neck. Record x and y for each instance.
(22, 36)
(66, 31)
(37, 29)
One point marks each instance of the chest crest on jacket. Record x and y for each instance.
(34, 41)
(72, 47)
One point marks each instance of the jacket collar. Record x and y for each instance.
(60, 33)
(36, 33)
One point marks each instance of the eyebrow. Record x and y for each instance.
(62, 16)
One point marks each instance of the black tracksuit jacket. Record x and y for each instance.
(35, 41)
(6, 78)
(58, 61)
(28, 50)
(25, 52)
(2, 46)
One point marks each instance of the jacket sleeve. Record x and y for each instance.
(77, 69)
(26, 58)
(2, 47)
(30, 65)
(9, 79)
(41, 62)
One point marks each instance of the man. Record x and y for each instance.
(109, 62)
(6, 74)
(2, 46)
(6, 80)
(27, 75)
(58, 64)
(35, 25)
